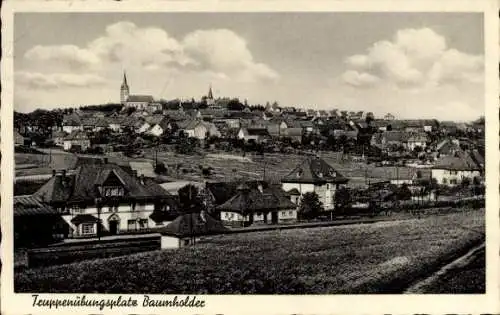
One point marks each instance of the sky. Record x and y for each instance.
(413, 65)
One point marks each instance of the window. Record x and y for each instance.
(113, 191)
(290, 213)
(143, 223)
(88, 228)
(283, 213)
(453, 181)
(131, 224)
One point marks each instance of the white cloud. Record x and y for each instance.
(36, 80)
(223, 51)
(70, 55)
(355, 78)
(417, 58)
(125, 45)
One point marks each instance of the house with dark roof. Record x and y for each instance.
(140, 102)
(71, 122)
(259, 135)
(315, 175)
(455, 169)
(267, 204)
(105, 193)
(76, 140)
(187, 227)
(36, 223)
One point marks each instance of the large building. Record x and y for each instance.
(105, 193)
(315, 175)
(140, 102)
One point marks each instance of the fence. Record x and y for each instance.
(69, 253)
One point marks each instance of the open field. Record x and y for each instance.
(376, 258)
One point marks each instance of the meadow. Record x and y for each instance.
(384, 257)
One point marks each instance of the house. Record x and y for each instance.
(315, 175)
(199, 129)
(258, 135)
(453, 170)
(161, 127)
(186, 228)
(139, 102)
(389, 117)
(391, 139)
(447, 147)
(36, 223)
(263, 204)
(76, 140)
(19, 139)
(406, 175)
(415, 140)
(294, 134)
(71, 122)
(58, 137)
(107, 194)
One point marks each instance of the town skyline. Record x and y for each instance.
(428, 64)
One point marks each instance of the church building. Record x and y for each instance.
(140, 102)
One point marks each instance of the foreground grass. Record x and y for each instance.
(376, 258)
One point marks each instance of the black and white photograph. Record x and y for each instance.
(250, 153)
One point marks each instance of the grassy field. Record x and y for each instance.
(383, 257)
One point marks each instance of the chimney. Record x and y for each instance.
(134, 173)
(105, 160)
(53, 173)
(142, 179)
(261, 188)
(63, 173)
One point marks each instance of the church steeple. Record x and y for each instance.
(210, 94)
(124, 89)
(124, 83)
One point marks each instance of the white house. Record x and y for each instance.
(77, 139)
(200, 129)
(105, 193)
(453, 170)
(188, 227)
(315, 175)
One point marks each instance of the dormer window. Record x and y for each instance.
(333, 173)
(320, 175)
(299, 173)
(112, 191)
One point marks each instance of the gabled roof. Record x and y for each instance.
(140, 98)
(29, 205)
(250, 200)
(82, 185)
(77, 135)
(194, 224)
(316, 171)
(461, 161)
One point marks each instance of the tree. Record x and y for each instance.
(310, 206)
(342, 198)
(190, 200)
(403, 193)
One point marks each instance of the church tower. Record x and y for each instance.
(124, 90)
(210, 97)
